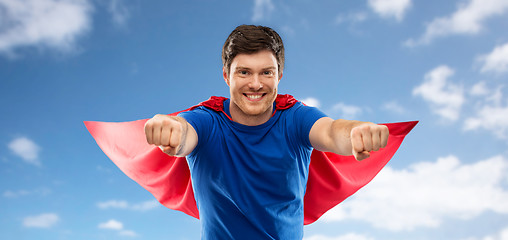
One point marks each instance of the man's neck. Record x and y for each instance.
(249, 120)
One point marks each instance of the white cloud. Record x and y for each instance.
(390, 8)
(146, 205)
(483, 95)
(445, 98)
(349, 236)
(22, 192)
(54, 24)
(491, 115)
(479, 89)
(426, 193)
(128, 233)
(339, 110)
(45, 220)
(468, 19)
(111, 224)
(15, 194)
(119, 12)
(496, 61)
(26, 149)
(342, 110)
(394, 106)
(310, 101)
(261, 9)
(122, 204)
(501, 235)
(112, 204)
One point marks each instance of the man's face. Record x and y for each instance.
(253, 80)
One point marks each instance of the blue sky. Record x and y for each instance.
(444, 63)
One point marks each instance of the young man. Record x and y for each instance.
(249, 162)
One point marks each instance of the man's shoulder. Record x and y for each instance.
(215, 103)
(284, 101)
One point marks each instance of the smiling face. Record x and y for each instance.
(252, 80)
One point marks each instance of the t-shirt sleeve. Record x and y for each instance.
(201, 120)
(304, 117)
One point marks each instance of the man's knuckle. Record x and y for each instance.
(365, 129)
(356, 132)
(166, 122)
(178, 129)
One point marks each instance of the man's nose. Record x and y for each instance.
(255, 83)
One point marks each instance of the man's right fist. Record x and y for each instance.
(167, 132)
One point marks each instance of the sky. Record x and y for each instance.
(443, 63)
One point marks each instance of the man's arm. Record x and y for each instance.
(174, 135)
(346, 137)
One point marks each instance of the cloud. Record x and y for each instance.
(394, 107)
(468, 19)
(22, 192)
(426, 193)
(146, 205)
(12, 194)
(128, 233)
(345, 111)
(113, 224)
(310, 101)
(122, 204)
(45, 220)
(349, 236)
(390, 8)
(26, 149)
(445, 98)
(496, 61)
(339, 110)
(479, 89)
(113, 204)
(502, 235)
(490, 114)
(262, 8)
(119, 12)
(54, 24)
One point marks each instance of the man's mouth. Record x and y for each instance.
(254, 97)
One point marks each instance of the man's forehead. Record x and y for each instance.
(263, 59)
(249, 67)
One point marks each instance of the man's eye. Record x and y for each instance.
(268, 73)
(243, 72)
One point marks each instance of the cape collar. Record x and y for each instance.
(217, 103)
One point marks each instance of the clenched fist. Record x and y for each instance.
(368, 137)
(167, 132)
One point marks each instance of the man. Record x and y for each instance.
(249, 161)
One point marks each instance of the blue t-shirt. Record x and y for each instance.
(249, 181)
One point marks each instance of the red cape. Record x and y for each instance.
(332, 177)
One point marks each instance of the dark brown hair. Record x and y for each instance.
(250, 39)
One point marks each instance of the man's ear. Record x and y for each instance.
(280, 77)
(225, 75)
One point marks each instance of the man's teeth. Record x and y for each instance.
(254, 96)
